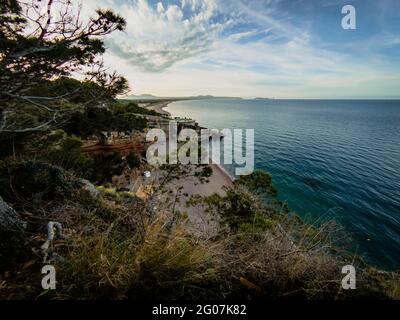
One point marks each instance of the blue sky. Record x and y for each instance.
(259, 48)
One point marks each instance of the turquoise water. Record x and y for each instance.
(328, 158)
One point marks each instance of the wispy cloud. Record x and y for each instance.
(263, 15)
(250, 48)
(161, 35)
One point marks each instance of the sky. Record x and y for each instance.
(257, 48)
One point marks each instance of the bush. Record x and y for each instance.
(121, 252)
(160, 264)
(106, 166)
(33, 181)
(259, 182)
(133, 160)
(206, 172)
(68, 154)
(132, 107)
(94, 121)
(236, 208)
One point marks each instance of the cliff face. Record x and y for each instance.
(123, 147)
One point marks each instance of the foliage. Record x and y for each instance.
(133, 160)
(39, 48)
(151, 260)
(60, 149)
(122, 108)
(237, 208)
(206, 172)
(118, 246)
(107, 166)
(259, 182)
(95, 121)
(74, 92)
(27, 182)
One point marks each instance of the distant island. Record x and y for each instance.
(198, 97)
(264, 99)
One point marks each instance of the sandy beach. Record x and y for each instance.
(215, 184)
(220, 176)
(199, 220)
(157, 107)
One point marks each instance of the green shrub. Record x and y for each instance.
(106, 166)
(95, 121)
(61, 149)
(133, 160)
(206, 172)
(259, 182)
(34, 181)
(131, 107)
(162, 264)
(259, 224)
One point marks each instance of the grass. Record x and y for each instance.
(117, 248)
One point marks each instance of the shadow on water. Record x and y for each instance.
(313, 183)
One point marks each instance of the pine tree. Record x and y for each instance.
(43, 43)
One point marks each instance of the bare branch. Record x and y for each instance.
(28, 100)
(44, 30)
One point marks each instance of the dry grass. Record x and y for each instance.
(118, 250)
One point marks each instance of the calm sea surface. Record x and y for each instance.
(328, 158)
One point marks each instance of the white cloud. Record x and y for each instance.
(159, 36)
(186, 48)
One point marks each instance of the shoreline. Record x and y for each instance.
(221, 177)
(162, 109)
(157, 106)
(223, 171)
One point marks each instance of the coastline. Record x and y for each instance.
(220, 177)
(223, 171)
(157, 107)
(160, 107)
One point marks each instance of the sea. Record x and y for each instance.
(329, 159)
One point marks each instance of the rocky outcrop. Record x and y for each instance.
(14, 247)
(10, 221)
(88, 186)
(123, 147)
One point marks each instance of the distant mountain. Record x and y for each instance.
(152, 97)
(203, 97)
(214, 97)
(141, 97)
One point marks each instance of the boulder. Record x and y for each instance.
(88, 186)
(10, 221)
(14, 247)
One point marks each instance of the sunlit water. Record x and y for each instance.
(330, 158)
